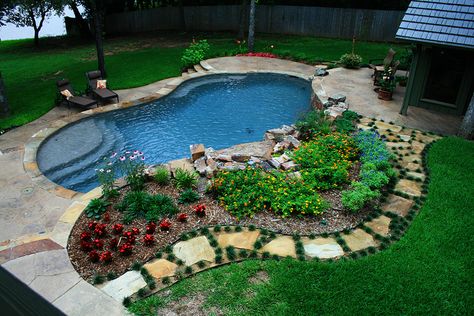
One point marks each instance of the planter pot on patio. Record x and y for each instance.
(385, 95)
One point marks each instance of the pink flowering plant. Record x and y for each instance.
(130, 164)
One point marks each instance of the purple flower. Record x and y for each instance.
(135, 152)
(127, 152)
(132, 157)
(113, 155)
(143, 158)
(122, 158)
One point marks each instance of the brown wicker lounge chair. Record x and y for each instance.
(102, 94)
(78, 101)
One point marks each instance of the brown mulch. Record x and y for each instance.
(335, 219)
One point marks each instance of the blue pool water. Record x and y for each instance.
(218, 111)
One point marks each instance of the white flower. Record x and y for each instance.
(127, 152)
(101, 170)
(143, 158)
(132, 157)
(122, 158)
(113, 155)
(135, 152)
(110, 164)
(109, 171)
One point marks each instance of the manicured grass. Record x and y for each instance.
(30, 74)
(429, 271)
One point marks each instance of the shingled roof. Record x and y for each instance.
(445, 22)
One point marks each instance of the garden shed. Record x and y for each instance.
(442, 70)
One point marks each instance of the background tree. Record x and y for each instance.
(33, 13)
(82, 24)
(243, 12)
(467, 126)
(5, 7)
(251, 37)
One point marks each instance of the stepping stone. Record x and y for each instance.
(416, 175)
(359, 239)
(380, 225)
(160, 268)
(385, 126)
(322, 248)
(282, 246)
(363, 127)
(125, 285)
(417, 147)
(412, 158)
(397, 145)
(426, 138)
(398, 205)
(194, 250)
(243, 240)
(405, 138)
(409, 187)
(410, 166)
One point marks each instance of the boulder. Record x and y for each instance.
(274, 163)
(321, 72)
(210, 153)
(240, 157)
(288, 165)
(281, 146)
(200, 165)
(197, 151)
(223, 157)
(269, 136)
(294, 143)
(338, 97)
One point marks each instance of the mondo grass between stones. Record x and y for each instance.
(424, 273)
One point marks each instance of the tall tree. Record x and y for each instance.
(84, 30)
(243, 11)
(467, 126)
(251, 37)
(33, 13)
(182, 18)
(95, 9)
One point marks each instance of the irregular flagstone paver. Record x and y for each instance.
(359, 239)
(85, 299)
(28, 249)
(412, 188)
(194, 250)
(125, 285)
(323, 248)
(160, 268)
(398, 205)
(92, 194)
(184, 164)
(385, 126)
(380, 225)
(282, 246)
(417, 147)
(416, 175)
(411, 166)
(244, 240)
(73, 212)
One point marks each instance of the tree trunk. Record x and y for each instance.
(251, 37)
(83, 26)
(97, 17)
(36, 37)
(182, 20)
(4, 109)
(241, 34)
(467, 126)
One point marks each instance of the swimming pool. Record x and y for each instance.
(216, 110)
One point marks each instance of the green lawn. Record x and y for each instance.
(429, 271)
(30, 73)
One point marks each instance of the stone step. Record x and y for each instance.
(322, 248)
(125, 285)
(358, 240)
(191, 71)
(380, 225)
(199, 68)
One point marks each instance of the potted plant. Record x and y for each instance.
(387, 85)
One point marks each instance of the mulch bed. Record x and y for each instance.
(333, 220)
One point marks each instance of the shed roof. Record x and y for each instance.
(445, 22)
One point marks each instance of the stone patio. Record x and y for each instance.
(36, 216)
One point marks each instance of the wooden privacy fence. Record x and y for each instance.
(375, 25)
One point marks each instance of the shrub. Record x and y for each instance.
(137, 204)
(326, 160)
(161, 205)
(188, 196)
(96, 208)
(358, 196)
(312, 123)
(184, 179)
(162, 176)
(345, 123)
(351, 61)
(196, 52)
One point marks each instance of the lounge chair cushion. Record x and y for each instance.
(105, 93)
(101, 84)
(82, 101)
(66, 93)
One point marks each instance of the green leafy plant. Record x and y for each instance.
(161, 206)
(312, 123)
(358, 196)
(184, 179)
(162, 176)
(196, 52)
(96, 208)
(351, 61)
(188, 196)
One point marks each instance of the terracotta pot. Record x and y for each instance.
(385, 95)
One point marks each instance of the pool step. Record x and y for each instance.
(191, 71)
(199, 68)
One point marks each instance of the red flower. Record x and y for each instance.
(85, 236)
(99, 244)
(100, 230)
(182, 217)
(165, 225)
(117, 228)
(150, 228)
(130, 237)
(267, 55)
(86, 246)
(106, 256)
(200, 210)
(135, 231)
(94, 256)
(92, 225)
(106, 217)
(113, 243)
(148, 240)
(126, 249)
